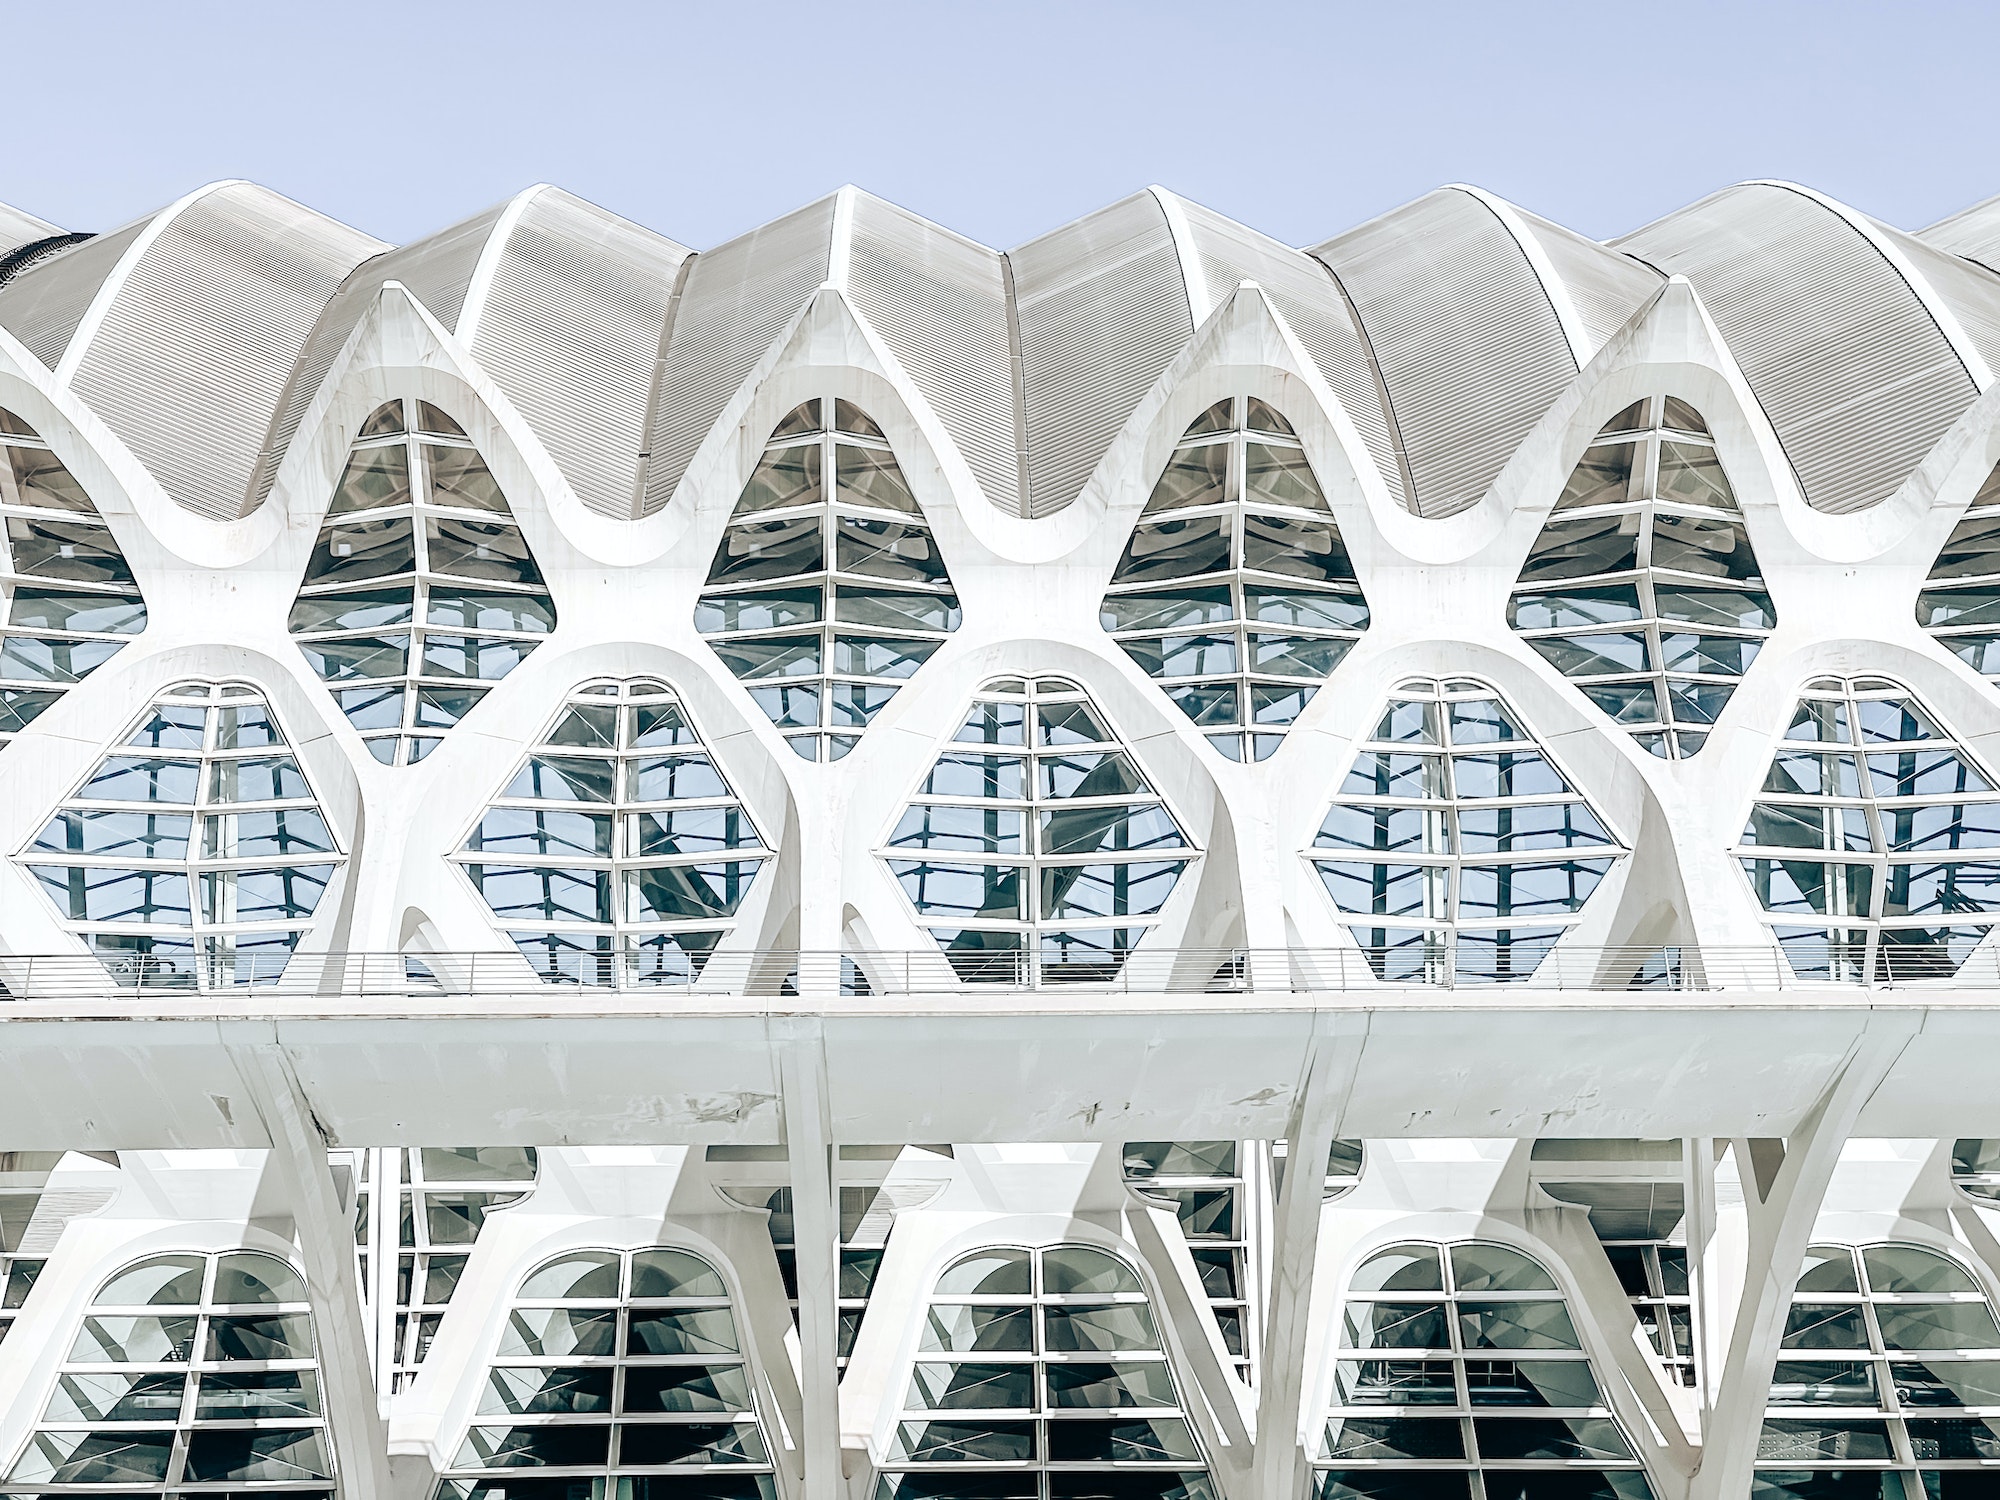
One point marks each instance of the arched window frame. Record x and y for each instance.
(1960, 602)
(1660, 641)
(1022, 741)
(1243, 636)
(71, 600)
(600, 1393)
(1860, 776)
(212, 1393)
(1437, 1383)
(1070, 1400)
(661, 773)
(445, 598)
(823, 639)
(171, 810)
(1428, 822)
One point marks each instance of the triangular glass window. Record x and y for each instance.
(1892, 1337)
(1049, 1362)
(616, 854)
(1035, 843)
(191, 1374)
(421, 592)
(1642, 587)
(195, 853)
(1960, 604)
(828, 590)
(1235, 592)
(1464, 1356)
(625, 1372)
(1458, 840)
(71, 601)
(1874, 842)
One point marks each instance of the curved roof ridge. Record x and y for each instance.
(480, 288)
(1193, 277)
(1977, 369)
(120, 274)
(18, 227)
(1537, 256)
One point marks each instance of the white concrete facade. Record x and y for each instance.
(752, 864)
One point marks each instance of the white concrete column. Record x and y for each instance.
(326, 1250)
(1781, 1200)
(1281, 1467)
(816, 1238)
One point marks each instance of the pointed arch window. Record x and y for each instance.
(1890, 1352)
(1035, 843)
(828, 591)
(191, 1375)
(1460, 1361)
(616, 853)
(1235, 592)
(617, 1373)
(421, 592)
(71, 600)
(1960, 602)
(195, 853)
(1643, 588)
(1459, 840)
(1874, 843)
(1040, 1374)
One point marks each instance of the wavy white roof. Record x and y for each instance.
(1446, 328)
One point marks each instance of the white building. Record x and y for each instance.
(639, 875)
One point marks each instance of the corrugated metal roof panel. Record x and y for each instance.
(1971, 292)
(1308, 299)
(1467, 340)
(1102, 308)
(1971, 232)
(1605, 286)
(940, 302)
(437, 270)
(571, 331)
(1853, 372)
(18, 228)
(193, 351)
(736, 300)
(42, 306)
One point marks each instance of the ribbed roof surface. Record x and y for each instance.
(1853, 365)
(18, 228)
(1971, 232)
(1467, 332)
(1445, 328)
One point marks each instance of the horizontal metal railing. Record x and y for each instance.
(1440, 965)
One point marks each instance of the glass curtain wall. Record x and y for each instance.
(1643, 587)
(1460, 1376)
(71, 599)
(1960, 602)
(195, 852)
(617, 853)
(828, 591)
(619, 1375)
(1870, 844)
(1235, 592)
(1035, 843)
(1458, 840)
(191, 1374)
(421, 592)
(1040, 1375)
(1887, 1383)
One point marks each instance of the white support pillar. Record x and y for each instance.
(1219, 1414)
(1781, 1213)
(1280, 1469)
(816, 1238)
(326, 1250)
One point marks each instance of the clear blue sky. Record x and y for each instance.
(1001, 121)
